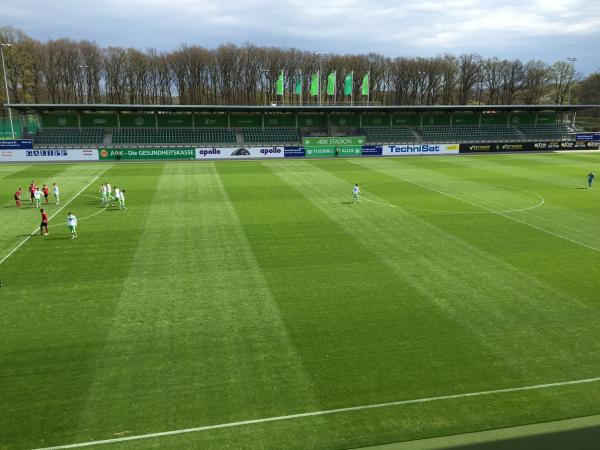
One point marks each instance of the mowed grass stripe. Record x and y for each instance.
(553, 220)
(317, 414)
(62, 297)
(570, 205)
(478, 305)
(341, 307)
(367, 305)
(18, 222)
(459, 282)
(558, 169)
(522, 244)
(565, 207)
(196, 335)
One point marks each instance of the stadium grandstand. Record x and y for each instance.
(110, 125)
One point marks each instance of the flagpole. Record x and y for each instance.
(351, 87)
(334, 86)
(369, 87)
(319, 85)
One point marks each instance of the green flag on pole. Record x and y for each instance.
(299, 86)
(280, 84)
(331, 83)
(365, 84)
(314, 84)
(348, 83)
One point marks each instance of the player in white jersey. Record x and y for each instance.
(117, 197)
(103, 192)
(355, 194)
(56, 193)
(108, 192)
(72, 224)
(38, 198)
(122, 199)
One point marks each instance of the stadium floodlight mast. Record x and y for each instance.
(572, 61)
(12, 128)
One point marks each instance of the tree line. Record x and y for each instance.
(68, 71)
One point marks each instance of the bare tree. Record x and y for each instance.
(468, 76)
(562, 75)
(64, 70)
(536, 76)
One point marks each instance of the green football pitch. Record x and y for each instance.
(253, 305)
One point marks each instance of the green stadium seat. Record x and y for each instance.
(546, 131)
(391, 135)
(173, 136)
(468, 133)
(69, 136)
(271, 135)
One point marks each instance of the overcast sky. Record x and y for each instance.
(525, 29)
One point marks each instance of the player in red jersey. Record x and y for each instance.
(46, 192)
(44, 224)
(32, 191)
(18, 197)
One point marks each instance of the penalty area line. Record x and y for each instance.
(322, 413)
(20, 244)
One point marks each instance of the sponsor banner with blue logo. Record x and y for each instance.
(372, 150)
(49, 155)
(587, 137)
(419, 149)
(16, 144)
(239, 152)
(294, 152)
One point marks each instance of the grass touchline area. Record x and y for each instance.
(257, 293)
(317, 413)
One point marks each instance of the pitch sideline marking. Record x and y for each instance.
(49, 219)
(508, 217)
(529, 208)
(321, 413)
(97, 212)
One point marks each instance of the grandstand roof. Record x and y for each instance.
(42, 107)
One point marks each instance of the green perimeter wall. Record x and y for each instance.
(181, 120)
(279, 120)
(288, 120)
(211, 120)
(469, 119)
(5, 129)
(494, 119)
(59, 120)
(98, 120)
(129, 120)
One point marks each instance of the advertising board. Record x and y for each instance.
(419, 149)
(587, 137)
(528, 146)
(49, 155)
(16, 144)
(146, 153)
(372, 150)
(293, 152)
(330, 141)
(319, 152)
(239, 152)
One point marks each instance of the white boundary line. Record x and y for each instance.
(500, 213)
(320, 413)
(93, 214)
(529, 208)
(503, 214)
(49, 219)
